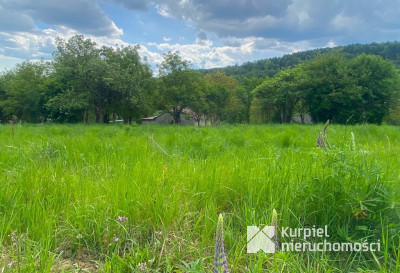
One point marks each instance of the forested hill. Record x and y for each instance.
(269, 67)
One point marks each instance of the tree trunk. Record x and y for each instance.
(99, 114)
(302, 118)
(176, 116)
(85, 116)
(106, 118)
(248, 114)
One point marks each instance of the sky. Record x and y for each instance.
(208, 33)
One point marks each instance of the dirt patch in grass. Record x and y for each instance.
(82, 262)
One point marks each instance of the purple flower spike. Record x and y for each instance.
(220, 261)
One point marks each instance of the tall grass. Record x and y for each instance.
(109, 199)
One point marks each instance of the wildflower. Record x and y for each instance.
(142, 266)
(122, 219)
(10, 265)
(320, 142)
(115, 239)
(220, 256)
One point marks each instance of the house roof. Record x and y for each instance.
(184, 110)
(150, 118)
(187, 111)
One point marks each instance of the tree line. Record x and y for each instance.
(269, 67)
(86, 83)
(363, 89)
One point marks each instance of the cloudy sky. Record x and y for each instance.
(209, 33)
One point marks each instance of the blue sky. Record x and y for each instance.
(208, 33)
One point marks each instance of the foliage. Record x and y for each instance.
(359, 90)
(332, 87)
(246, 96)
(283, 92)
(86, 83)
(22, 92)
(113, 82)
(179, 86)
(220, 96)
(269, 67)
(129, 82)
(78, 69)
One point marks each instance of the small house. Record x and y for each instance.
(186, 118)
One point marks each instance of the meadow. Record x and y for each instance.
(118, 198)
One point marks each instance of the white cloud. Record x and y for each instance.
(153, 58)
(331, 44)
(7, 62)
(164, 10)
(289, 20)
(227, 31)
(205, 55)
(41, 43)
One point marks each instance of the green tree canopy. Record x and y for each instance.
(78, 70)
(108, 81)
(22, 91)
(283, 92)
(359, 90)
(129, 83)
(179, 86)
(220, 95)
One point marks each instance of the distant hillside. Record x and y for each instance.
(269, 67)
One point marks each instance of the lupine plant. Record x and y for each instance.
(220, 262)
(322, 142)
(274, 223)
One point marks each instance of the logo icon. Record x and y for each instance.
(260, 239)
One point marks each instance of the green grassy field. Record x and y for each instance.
(76, 198)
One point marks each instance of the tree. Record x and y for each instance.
(78, 69)
(221, 92)
(129, 83)
(246, 95)
(179, 86)
(331, 92)
(2, 94)
(378, 83)
(23, 89)
(283, 92)
(198, 103)
(359, 90)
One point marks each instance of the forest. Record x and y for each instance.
(86, 83)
